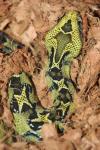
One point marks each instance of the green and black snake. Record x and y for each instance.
(63, 43)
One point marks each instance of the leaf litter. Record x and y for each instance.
(28, 21)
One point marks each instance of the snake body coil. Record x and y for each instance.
(29, 115)
(63, 43)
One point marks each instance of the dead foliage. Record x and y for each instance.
(28, 21)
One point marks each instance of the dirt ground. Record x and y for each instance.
(28, 21)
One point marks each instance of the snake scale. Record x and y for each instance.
(63, 43)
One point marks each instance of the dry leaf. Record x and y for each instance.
(90, 69)
(49, 131)
(29, 35)
(28, 20)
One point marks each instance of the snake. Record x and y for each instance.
(8, 44)
(29, 115)
(63, 43)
